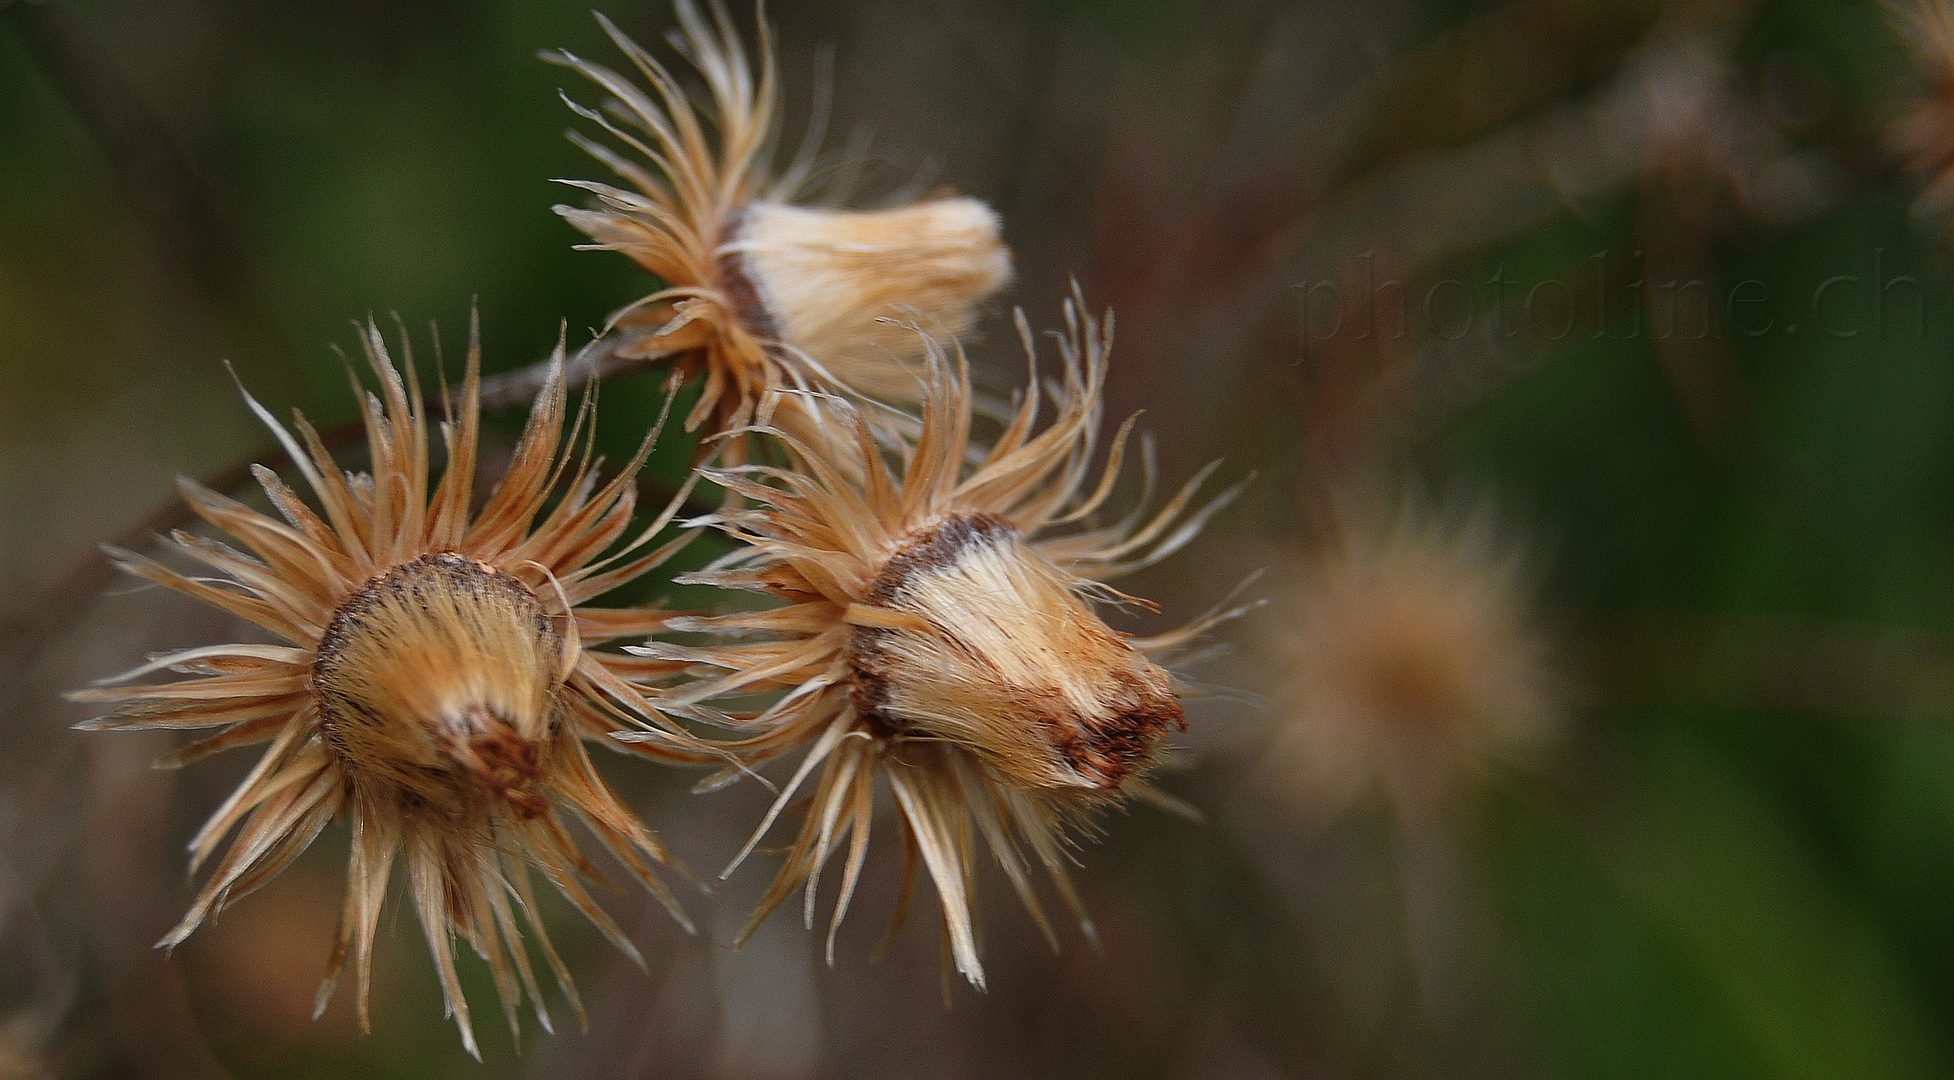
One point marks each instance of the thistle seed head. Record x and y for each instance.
(440, 677)
(938, 634)
(435, 686)
(1004, 659)
(758, 292)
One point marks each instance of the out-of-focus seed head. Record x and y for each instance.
(1923, 136)
(1400, 659)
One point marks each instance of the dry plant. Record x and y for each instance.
(436, 681)
(939, 630)
(437, 672)
(759, 293)
(1400, 659)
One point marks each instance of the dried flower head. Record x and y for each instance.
(435, 686)
(939, 630)
(760, 293)
(1923, 136)
(1400, 659)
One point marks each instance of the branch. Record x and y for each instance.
(638, 344)
(49, 616)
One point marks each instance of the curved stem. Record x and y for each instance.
(23, 636)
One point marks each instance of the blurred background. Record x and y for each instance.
(1595, 359)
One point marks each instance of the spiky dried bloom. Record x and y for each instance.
(1923, 136)
(436, 683)
(760, 293)
(939, 630)
(1400, 660)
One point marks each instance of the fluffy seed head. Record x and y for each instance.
(829, 280)
(760, 293)
(1923, 136)
(1400, 659)
(435, 686)
(1005, 659)
(937, 630)
(439, 677)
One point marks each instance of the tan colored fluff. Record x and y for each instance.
(831, 281)
(435, 687)
(990, 647)
(939, 632)
(1400, 660)
(760, 294)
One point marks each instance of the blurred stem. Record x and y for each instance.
(127, 891)
(1431, 880)
(1861, 672)
(46, 620)
(1675, 224)
(50, 987)
(1505, 64)
(623, 351)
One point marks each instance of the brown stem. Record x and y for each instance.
(611, 356)
(49, 616)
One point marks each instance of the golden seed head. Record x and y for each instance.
(1923, 135)
(1926, 27)
(440, 677)
(435, 684)
(1004, 659)
(938, 636)
(757, 293)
